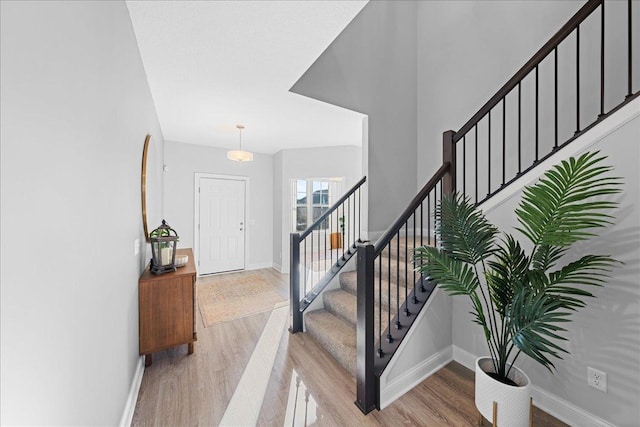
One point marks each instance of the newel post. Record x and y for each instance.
(449, 155)
(294, 284)
(365, 378)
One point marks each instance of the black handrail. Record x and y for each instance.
(391, 232)
(382, 322)
(530, 65)
(333, 208)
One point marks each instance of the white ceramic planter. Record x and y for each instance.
(513, 401)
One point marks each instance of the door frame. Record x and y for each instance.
(196, 216)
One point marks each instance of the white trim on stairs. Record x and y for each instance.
(414, 376)
(561, 409)
(132, 397)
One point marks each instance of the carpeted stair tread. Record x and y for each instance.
(406, 248)
(335, 335)
(349, 282)
(345, 306)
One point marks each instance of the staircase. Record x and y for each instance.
(363, 321)
(334, 326)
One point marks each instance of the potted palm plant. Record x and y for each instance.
(522, 298)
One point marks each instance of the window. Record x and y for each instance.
(312, 199)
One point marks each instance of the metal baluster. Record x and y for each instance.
(464, 165)
(519, 128)
(537, 142)
(429, 217)
(348, 221)
(324, 261)
(630, 57)
(342, 234)
(406, 268)
(578, 79)
(380, 352)
(504, 139)
(415, 300)
(422, 236)
(305, 266)
(488, 157)
(476, 169)
(398, 324)
(555, 98)
(602, 60)
(389, 337)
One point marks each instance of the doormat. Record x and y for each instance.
(229, 297)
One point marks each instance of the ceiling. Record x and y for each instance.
(214, 64)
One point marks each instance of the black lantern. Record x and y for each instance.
(163, 249)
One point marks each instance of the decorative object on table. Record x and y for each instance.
(521, 299)
(181, 260)
(163, 249)
(240, 155)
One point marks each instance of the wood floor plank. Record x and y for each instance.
(180, 389)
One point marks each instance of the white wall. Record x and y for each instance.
(371, 68)
(185, 160)
(305, 163)
(606, 334)
(466, 51)
(75, 109)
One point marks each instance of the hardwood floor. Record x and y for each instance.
(306, 385)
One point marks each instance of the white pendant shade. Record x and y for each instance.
(240, 155)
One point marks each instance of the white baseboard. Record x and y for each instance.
(414, 376)
(132, 398)
(277, 267)
(553, 405)
(259, 265)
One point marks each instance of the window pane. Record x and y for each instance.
(301, 186)
(317, 212)
(301, 218)
(301, 199)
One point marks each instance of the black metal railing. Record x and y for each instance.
(319, 252)
(555, 87)
(390, 292)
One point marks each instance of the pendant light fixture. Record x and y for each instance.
(240, 155)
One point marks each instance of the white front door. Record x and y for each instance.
(222, 225)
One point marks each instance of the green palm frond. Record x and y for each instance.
(546, 256)
(555, 211)
(453, 275)
(465, 233)
(590, 270)
(534, 326)
(506, 273)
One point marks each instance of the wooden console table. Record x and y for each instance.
(167, 309)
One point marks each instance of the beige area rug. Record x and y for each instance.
(229, 297)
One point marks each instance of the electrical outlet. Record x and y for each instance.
(136, 247)
(597, 379)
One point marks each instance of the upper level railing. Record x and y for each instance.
(563, 90)
(319, 252)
